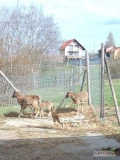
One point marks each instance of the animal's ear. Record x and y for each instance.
(53, 108)
(67, 94)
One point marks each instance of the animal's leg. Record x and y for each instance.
(23, 110)
(62, 125)
(67, 126)
(49, 114)
(82, 107)
(59, 120)
(20, 113)
(41, 112)
(78, 109)
(55, 122)
(38, 112)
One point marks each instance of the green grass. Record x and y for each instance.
(6, 110)
(108, 93)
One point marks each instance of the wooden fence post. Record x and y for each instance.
(88, 79)
(83, 80)
(102, 116)
(8, 81)
(113, 92)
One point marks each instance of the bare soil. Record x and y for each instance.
(27, 138)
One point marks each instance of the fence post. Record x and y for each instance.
(113, 92)
(88, 78)
(80, 71)
(8, 81)
(83, 80)
(102, 116)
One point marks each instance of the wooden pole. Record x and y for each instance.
(113, 92)
(80, 60)
(102, 116)
(88, 79)
(83, 80)
(8, 81)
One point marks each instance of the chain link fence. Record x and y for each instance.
(51, 81)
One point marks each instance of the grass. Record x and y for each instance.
(108, 94)
(6, 110)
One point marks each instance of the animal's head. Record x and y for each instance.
(53, 109)
(14, 94)
(69, 94)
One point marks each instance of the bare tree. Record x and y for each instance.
(27, 32)
(110, 39)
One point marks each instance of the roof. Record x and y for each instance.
(65, 44)
(112, 49)
(109, 48)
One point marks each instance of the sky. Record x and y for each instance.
(87, 21)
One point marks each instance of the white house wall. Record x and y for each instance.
(80, 50)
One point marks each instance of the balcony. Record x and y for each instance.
(73, 56)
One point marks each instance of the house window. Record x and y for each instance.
(70, 53)
(76, 53)
(71, 47)
(76, 47)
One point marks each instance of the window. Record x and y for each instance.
(76, 53)
(71, 47)
(70, 53)
(76, 47)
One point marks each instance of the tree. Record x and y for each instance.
(27, 32)
(110, 39)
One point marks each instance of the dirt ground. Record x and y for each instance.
(38, 139)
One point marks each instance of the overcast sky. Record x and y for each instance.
(88, 21)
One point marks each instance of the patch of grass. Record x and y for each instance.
(7, 110)
(108, 94)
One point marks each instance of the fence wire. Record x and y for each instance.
(49, 81)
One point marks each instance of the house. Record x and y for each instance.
(111, 51)
(71, 49)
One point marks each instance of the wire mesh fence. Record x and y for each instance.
(50, 81)
(95, 86)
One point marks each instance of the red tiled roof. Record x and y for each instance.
(112, 49)
(65, 44)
